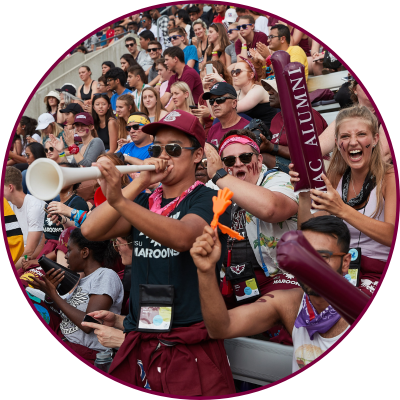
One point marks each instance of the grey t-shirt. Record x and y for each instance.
(93, 150)
(230, 50)
(102, 281)
(153, 73)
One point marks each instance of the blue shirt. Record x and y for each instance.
(191, 54)
(115, 96)
(130, 149)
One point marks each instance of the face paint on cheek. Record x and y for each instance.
(342, 146)
(230, 171)
(368, 145)
(252, 168)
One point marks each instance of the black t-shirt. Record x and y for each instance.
(50, 229)
(242, 250)
(160, 259)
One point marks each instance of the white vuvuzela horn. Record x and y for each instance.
(45, 178)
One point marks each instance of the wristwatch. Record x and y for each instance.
(73, 213)
(218, 175)
(275, 151)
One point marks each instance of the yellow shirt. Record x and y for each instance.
(14, 232)
(297, 54)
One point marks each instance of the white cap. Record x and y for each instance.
(44, 121)
(270, 82)
(230, 15)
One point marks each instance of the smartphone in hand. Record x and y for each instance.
(88, 318)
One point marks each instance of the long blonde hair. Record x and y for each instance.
(129, 101)
(159, 106)
(183, 86)
(377, 165)
(56, 132)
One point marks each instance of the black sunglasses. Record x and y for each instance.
(51, 149)
(174, 37)
(238, 71)
(244, 26)
(100, 94)
(173, 150)
(245, 158)
(134, 127)
(219, 100)
(153, 49)
(232, 30)
(130, 45)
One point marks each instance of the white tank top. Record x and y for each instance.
(306, 350)
(369, 247)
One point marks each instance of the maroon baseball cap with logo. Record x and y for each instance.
(182, 120)
(84, 118)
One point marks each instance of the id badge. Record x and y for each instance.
(244, 282)
(355, 265)
(156, 303)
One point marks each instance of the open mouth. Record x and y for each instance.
(355, 155)
(241, 175)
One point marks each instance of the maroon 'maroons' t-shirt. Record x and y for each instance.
(277, 126)
(216, 132)
(192, 78)
(258, 37)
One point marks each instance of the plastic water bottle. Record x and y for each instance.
(103, 360)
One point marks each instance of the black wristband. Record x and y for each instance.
(218, 175)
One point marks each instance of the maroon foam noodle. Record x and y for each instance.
(280, 59)
(305, 127)
(296, 256)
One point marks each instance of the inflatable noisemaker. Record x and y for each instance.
(70, 278)
(305, 130)
(295, 101)
(99, 197)
(220, 203)
(296, 256)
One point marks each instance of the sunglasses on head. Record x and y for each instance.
(244, 26)
(153, 49)
(238, 71)
(232, 30)
(174, 37)
(173, 150)
(130, 45)
(245, 158)
(51, 149)
(134, 127)
(219, 100)
(101, 94)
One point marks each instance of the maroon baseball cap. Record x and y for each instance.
(84, 118)
(182, 120)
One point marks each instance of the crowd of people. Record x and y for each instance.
(196, 97)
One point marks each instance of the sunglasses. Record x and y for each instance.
(203, 163)
(244, 26)
(173, 150)
(238, 71)
(219, 100)
(134, 127)
(110, 80)
(245, 158)
(232, 30)
(51, 149)
(116, 245)
(174, 37)
(155, 49)
(101, 94)
(130, 45)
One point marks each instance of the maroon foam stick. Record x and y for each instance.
(296, 256)
(305, 127)
(280, 59)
